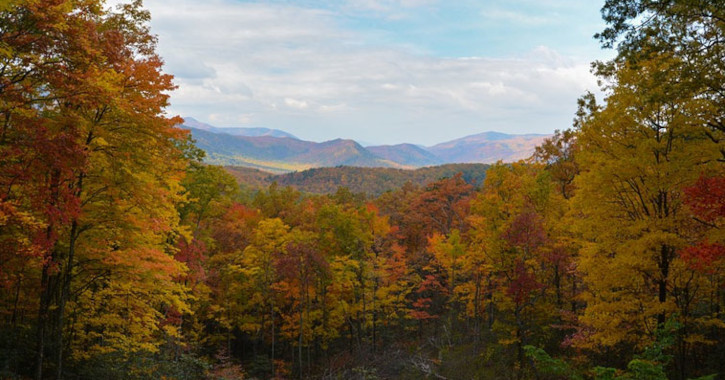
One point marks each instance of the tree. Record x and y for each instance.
(692, 31)
(213, 227)
(557, 153)
(210, 190)
(299, 269)
(514, 226)
(88, 153)
(636, 155)
(706, 201)
(253, 274)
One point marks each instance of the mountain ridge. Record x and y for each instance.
(277, 151)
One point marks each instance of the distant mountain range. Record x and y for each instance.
(277, 151)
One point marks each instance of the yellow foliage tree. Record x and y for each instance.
(636, 155)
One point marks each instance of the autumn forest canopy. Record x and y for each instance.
(124, 256)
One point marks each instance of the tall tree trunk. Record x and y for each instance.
(46, 279)
(42, 320)
(66, 278)
(664, 266)
(14, 318)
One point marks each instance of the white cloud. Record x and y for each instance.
(297, 69)
(298, 104)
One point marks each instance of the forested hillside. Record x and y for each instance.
(124, 256)
(370, 181)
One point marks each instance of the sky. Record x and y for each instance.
(380, 71)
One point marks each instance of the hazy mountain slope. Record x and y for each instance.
(406, 154)
(190, 122)
(488, 147)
